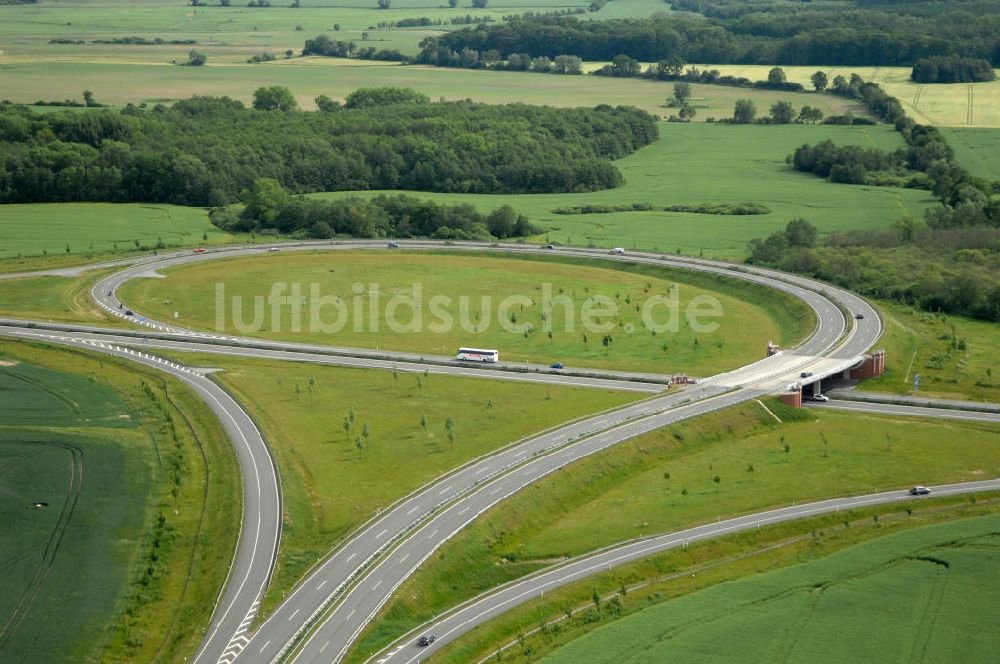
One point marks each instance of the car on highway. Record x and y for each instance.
(617, 250)
(199, 250)
(550, 246)
(129, 312)
(426, 640)
(273, 249)
(859, 316)
(919, 491)
(557, 365)
(819, 397)
(805, 374)
(392, 245)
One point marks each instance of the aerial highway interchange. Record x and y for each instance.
(321, 618)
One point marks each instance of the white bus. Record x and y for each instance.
(478, 355)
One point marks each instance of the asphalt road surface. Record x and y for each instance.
(485, 607)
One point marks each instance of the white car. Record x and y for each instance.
(618, 250)
(273, 249)
(820, 397)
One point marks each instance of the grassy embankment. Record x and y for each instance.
(142, 492)
(335, 478)
(750, 315)
(666, 480)
(61, 299)
(672, 581)
(956, 357)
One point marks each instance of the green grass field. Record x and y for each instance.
(977, 150)
(63, 299)
(330, 484)
(541, 626)
(925, 594)
(34, 229)
(956, 357)
(478, 288)
(665, 481)
(703, 163)
(950, 105)
(87, 439)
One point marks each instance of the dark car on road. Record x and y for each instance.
(393, 245)
(859, 316)
(919, 491)
(426, 640)
(129, 312)
(557, 365)
(806, 374)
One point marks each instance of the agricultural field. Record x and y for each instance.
(948, 105)
(73, 231)
(977, 150)
(490, 302)
(119, 82)
(335, 476)
(942, 581)
(541, 626)
(737, 461)
(80, 453)
(956, 357)
(705, 163)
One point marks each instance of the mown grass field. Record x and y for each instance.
(666, 480)
(950, 105)
(334, 479)
(703, 163)
(956, 357)
(128, 556)
(39, 229)
(923, 594)
(489, 300)
(63, 299)
(542, 625)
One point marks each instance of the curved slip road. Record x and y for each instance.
(257, 549)
(345, 590)
(455, 496)
(490, 605)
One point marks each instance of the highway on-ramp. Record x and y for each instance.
(492, 604)
(342, 593)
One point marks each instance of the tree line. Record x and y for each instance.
(754, 33)
(952, 69)
(206, 150)
(267, 206)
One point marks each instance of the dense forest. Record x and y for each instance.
(766, 32)
(952, 69)
(205, 150)
(268, 207)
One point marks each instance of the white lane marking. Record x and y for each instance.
(294, 613)
(384, 531)
(442, 491)
(265, 645)
(322, 584)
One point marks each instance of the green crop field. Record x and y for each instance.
(80, 455)
(666, 480)
(977, 150)
(82, 228)
(490, 300)
(334, 478)
(950, 105)
(926, 594)
(705, 163)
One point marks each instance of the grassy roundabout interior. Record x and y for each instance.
(718, 465)
(751, 315)
(120, 494)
